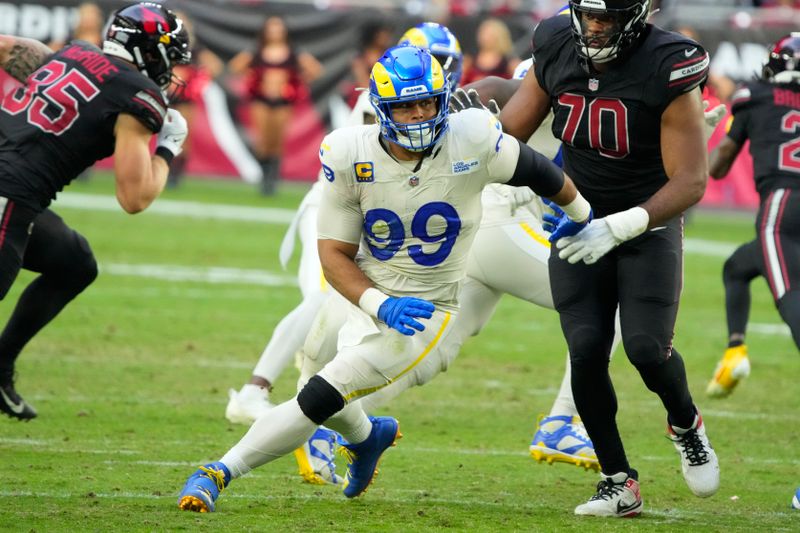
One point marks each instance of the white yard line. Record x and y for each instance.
(201, 274)
(104, 202)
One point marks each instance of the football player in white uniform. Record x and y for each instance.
(510, 235)
(400, 208)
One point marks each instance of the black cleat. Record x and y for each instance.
(12, 403)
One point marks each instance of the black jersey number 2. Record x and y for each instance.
(52, 97)
(789, 152)
(609, 142)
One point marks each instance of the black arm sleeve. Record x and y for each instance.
(537, 172)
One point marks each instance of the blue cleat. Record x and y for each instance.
(362, 458)
(563, 439)
(203, 487)
(796, 499)
(315, 458)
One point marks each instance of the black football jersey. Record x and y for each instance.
(769, 116)
(610, 123)
(62, 120)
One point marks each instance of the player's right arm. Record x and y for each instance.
(339, 229)
(140, 177)
(495, 88)
(340, 220)
(526, 109)
(20, 57)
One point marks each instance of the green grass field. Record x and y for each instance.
(131, 385)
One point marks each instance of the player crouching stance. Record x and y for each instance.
(399, 212)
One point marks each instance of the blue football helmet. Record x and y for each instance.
(408, 74)
(442, 44)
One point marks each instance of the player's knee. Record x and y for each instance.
(644, 350)
(585, 344)
(82, 270)
(319, 400)
(789, 308)
(730, 270)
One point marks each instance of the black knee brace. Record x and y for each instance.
(319, 400)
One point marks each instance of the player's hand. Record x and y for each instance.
(559, 224)
(712, 117)
(589, 245)
(461, 100)
(518, 197)
(400, 313)
(173, 132)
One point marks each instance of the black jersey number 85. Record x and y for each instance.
(51, 97)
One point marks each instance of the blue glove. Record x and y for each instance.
(398, 313)
(559, 224)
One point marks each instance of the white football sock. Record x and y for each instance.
(565, 404)
(351, 423)
(278, 432)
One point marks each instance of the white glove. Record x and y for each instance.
(603, 235)
(461, 100)
(713, 117)
(518, 197)
(173, 132)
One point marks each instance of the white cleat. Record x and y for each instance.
(617, 496)
(248, 404)
(698, 460)
(316, 458)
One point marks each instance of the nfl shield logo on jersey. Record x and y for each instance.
(594, 84)
(413, 181)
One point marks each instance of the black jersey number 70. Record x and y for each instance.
(609, 142)
(52, 97)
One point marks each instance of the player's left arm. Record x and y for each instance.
(20, 57)
(517, 164)
(683, 150)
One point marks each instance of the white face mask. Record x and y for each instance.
(602, 55)
(415, 137)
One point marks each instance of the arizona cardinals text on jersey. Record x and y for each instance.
(61, 121)
(769, 116)
(610, 122)
(414, 228)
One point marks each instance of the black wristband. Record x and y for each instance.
(165, 154)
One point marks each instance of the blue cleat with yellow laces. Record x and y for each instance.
(362, 458)
(203, 487)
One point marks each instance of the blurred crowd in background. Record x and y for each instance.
(269, 79)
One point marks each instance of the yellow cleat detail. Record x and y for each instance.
(190, 503)
(734, 367)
